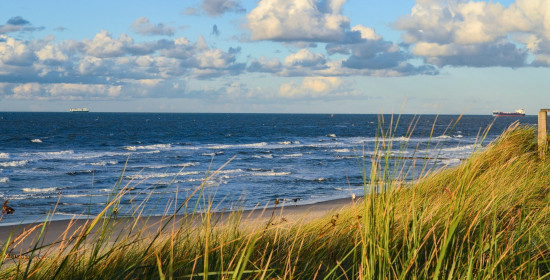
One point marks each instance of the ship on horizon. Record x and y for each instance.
(79, 110)
(517, 113)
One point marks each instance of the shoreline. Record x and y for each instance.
(255, 218)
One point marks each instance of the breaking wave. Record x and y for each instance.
(104, 163)
(16, 163)
(292, 155)
(39, 190)
(162, 175)
(262, 156)
(160, 166)
(148, 147)
(271, 173)
(237, 146)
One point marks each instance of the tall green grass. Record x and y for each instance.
(488, 218)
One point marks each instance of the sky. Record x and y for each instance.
(276, 56)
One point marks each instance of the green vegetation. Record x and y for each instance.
(488, 218)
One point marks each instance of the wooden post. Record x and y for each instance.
(543, 132)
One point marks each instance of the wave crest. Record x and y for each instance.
(16, 163)
(148, 147)
(39, 190)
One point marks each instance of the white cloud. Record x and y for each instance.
(298, 20)
(15, 52)
(476, 33)
(367, 32)
(103, 45)
(265, 65)
(144, 27)
(314, 87)
(305, 58)
(26, 91)
(66, 91)
(107, 67)
(51, 54)
(213, 59)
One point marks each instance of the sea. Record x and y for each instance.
(71, 164)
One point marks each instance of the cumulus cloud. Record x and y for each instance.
(265, 65)
(315, 87)
(107, 67)
(63, 91)
(216, 8)
(305, 58)
(501, 53)
(478, 34)
(144, 27)
(298, 20)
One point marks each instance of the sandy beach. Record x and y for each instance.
(59, 231)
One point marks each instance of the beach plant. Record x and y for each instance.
(486, 218)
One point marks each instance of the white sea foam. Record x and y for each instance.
(4, 155)
(162, 175)
(4, 179)
(238, 146)
(39, 190)
(66, 214)
(82, 195)
(16, 163)
(59, 153)
(148, 147)
(451, 161)
(292, 155)
(104, 163)
(461, 148)
(152, 152)
(341, 150)
(271, 173)
(230, 171)
(36, 141)
(362, 140)
(262, 156)
(285, 143)
(160, 166)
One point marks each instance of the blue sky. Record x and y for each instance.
(275, 56)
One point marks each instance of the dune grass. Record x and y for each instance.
(488, 218)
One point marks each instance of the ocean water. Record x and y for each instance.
(72, 161)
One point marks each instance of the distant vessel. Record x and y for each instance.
(79, 110)
(517, 113)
